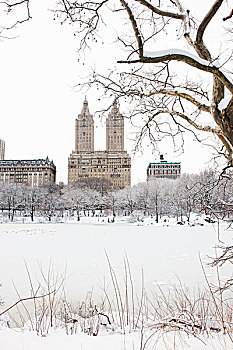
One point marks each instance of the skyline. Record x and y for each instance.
(139, 160)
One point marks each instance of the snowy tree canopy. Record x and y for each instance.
(207, 192)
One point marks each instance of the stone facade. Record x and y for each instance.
(114, 164)
(34, 172)
(2, 149)
(84, 131)
(115, 131)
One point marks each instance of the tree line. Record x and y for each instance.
(206, 193)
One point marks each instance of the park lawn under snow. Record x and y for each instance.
(164, 250)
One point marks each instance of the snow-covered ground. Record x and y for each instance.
(165, 251)
(18, 340)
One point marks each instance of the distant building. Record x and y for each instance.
(84, 131)
(2, 149)
(114, 164)
(164, 169)
(34, 172)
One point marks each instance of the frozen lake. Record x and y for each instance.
(162, 252)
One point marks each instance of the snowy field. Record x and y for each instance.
(165, 251)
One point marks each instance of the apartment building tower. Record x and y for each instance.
(115, 130)
(113, 164)
(84, 130)
(2, 149)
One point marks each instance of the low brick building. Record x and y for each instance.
(164, 169)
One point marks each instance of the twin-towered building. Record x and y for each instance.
(113, 164)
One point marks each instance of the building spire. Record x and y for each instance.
(85, 109)
(115, 108)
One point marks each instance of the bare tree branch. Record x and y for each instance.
(188, 60)
(161, 12)
(135, 27)
(206, 20)
(25, 299)
(182, 95)
(228, 17)
(16, 21)
(191, 122)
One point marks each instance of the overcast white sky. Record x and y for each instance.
(39, 105)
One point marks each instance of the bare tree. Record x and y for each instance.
(103, 186)
(163, 87)
(74, 198)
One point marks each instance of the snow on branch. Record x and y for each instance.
(175, 51)
(175, 55)
(188, 119)
(161, 12)
(207, 19)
